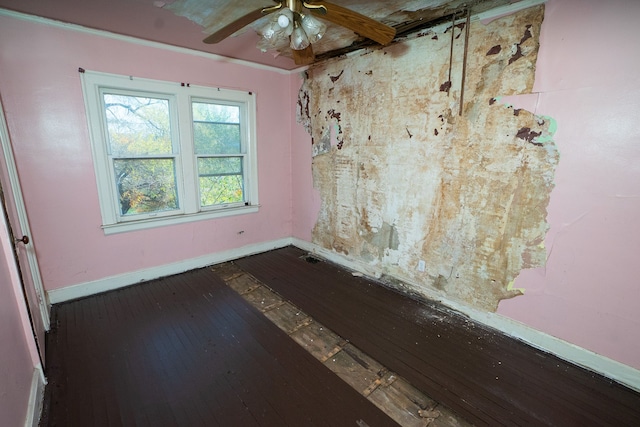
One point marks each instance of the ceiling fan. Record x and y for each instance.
(294, 20)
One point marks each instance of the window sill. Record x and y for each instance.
(144, 224)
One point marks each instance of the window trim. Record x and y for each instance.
(94, 83)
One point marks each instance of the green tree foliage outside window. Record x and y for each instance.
(139, 131)
(217, 141)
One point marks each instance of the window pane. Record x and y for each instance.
(146, 185)
(216, 128)
(216, 138)
(137, 126)
(220, 180)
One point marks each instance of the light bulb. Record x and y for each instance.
(314, 28)
(283, 21)
(299, 39)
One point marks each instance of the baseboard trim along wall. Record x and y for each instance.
(582, 357)
(122, 280)
(36, 398)
(617, 371)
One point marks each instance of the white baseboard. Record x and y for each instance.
(36, 398)
(115, 282)
(616, 371)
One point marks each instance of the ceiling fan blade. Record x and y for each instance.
(356, 22)
(240, 23)
(304, 56)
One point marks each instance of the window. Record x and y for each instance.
(167, 153)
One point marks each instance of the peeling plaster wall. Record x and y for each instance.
(403, 178)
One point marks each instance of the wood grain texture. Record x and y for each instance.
(304, 56)
(356, 22)
(187, 351)
(485, 376)
(234, 26)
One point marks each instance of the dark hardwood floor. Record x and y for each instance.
(485, 376)
(187, 351)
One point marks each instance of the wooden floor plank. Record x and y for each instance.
(459, 367)
(334, 311)
(315, 413)
(249, 380)
(186, 351)
(529, 380)
(440, 349)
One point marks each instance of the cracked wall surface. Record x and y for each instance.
(404, 177)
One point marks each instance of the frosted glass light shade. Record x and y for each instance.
(299, 39)
(274, 35)
(271, 30)
(314, 28)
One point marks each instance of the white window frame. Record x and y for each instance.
(180, 97)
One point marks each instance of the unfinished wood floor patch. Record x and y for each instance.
(288, 318)
(243, 284)
(356, 368)
(389, 392)
(317, 340)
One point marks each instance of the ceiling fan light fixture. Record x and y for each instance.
(314, 28)
(291, 26)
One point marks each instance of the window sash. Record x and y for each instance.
(174, 154)
(229, 193)
(174, 186)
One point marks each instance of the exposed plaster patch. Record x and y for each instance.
(302, 110)
(528, 135)
(444, 87)
(335, 78)
(410, 180)
(527, 34)
(494, 50)
(517, 51)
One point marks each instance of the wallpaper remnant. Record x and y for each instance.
(451, 204)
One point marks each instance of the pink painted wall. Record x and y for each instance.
(17, 355)
(587, 79)
(44, 107)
